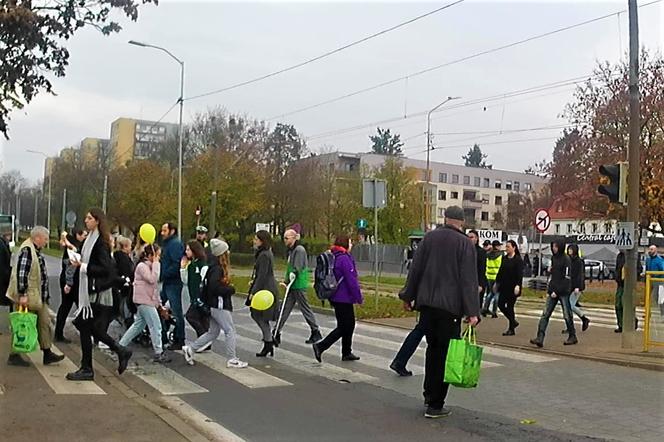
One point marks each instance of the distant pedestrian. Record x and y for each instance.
(493, 260)
(509, 283)
(146, 298)
(578, 278)
(193, 268)
(347, 294)
(655, 263)
(298, 267)
(95, 297)
(218, 295)
(620, 287)
(559, 289)
(536, 264)
(263, 279)
(28, 288)
(202, 236)
(171, 290)
(125, 268)
(69, 277)
(5, 266)
(442, 285)
(481, 263)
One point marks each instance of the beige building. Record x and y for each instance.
(135, 139)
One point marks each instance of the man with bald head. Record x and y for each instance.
(298, 268)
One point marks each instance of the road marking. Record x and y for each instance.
(516, 355)
(212, 429)
(249, 377)
(558, 317)
(165, 380)
(54, 375)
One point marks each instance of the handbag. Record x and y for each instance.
(464, 357)
(24, 331)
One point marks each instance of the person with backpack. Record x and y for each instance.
(297, 266)
(217, 293)
(263, 279)
(347, 294)
(193, 268)
(577, 269)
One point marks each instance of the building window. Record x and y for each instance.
(485, 216)
(508, 185)
(486, 183)
(499, 201)
(455, 179)
(557, 229)
(594, 227)
(498, 184)
(608, 228)
(517, 186)
(485, 198)
(569, 228)
(455, 195)
(582, 228)
(441, 212)
(442, 177)
(476, 181)
(466, 181)
(527, 186)
(442, 195)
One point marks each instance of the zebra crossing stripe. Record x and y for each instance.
(249, 377)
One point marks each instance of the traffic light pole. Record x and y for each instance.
(633, 158)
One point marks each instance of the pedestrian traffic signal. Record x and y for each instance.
(615, 182)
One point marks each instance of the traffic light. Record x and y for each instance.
(615, 186)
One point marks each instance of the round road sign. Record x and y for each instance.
(542, 220)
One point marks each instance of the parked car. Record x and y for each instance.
(595, 270)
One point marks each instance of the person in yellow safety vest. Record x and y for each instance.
(493, 261)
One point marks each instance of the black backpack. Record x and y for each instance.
(325, 283)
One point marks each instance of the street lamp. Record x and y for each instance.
(429, 148)
(181, 101)
(50, 182)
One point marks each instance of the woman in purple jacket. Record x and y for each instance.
(348, 293)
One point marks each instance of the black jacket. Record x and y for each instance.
(510, 275)
(101, 270)
(578, 271)
(444, 274)
(560, 282)
(481, 265)
(5, 271)
(125, 269)
(214, 289)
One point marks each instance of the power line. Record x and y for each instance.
(326, 54)
(458, 146)
(450, 63)
(508, 131)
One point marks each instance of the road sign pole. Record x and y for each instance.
(539, 261)
(375, 198)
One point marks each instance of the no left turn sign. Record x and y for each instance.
(542, 220)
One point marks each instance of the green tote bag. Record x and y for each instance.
(24, 331)
(464, 357)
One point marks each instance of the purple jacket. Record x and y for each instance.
(348, 291)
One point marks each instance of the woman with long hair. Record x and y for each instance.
(68, 282)
(263, 279)
(192, 269)
(347, 294)
(95, 297)
(125, 268)
(509, 283)
(217, 294)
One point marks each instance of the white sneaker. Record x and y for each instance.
(188, 354)
(102, 346)
(206, 347)
(236, 363)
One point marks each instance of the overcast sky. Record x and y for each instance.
(225, 43)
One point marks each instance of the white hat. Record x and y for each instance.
(218, 247)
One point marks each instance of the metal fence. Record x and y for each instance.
(653, 332)
(391, 258)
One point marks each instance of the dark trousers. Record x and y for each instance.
(172, 292)
(548, 310)
(439, 327)
(198, 319)
(345, 314)
(96, 327)
(619, 306)
(409, 346)
(506, 306)
(66, 303)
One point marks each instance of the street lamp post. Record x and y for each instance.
(50, 183)
(181, 102)
(427, 204)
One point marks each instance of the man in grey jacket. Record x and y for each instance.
(442, 285)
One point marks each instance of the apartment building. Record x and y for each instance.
(136, 139)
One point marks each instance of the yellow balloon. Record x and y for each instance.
(147, 233)
(262, 300)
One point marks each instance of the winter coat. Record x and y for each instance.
(620, 267)
(215, 290)
(348, 291)
(263, 279)
(655, 264)
(101, 271)
(510, 275)
(560, 282)
(578, 273)
(297, 264)
(146, 279)
(5, 270)
(444, 274)
(191, 276)
(171, 256)
(481, 265)
(493, 260)
(125, 268)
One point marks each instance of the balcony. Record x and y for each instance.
(471, 203)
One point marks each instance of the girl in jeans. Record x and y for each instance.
(146, 299)
(217, 294)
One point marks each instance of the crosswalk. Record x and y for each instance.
(602, 317)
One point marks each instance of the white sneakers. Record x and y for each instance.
(188, 354)
(236, 363)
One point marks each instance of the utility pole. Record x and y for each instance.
(64, 210)
(633, 159)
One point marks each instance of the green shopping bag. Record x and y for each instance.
(24, 331)
(464, 357)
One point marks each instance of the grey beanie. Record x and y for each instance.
(454, 212)
(218, 247)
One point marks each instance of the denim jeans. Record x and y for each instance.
(145, 315)
(219, 320)
(172, 292)
(573, 297)
(548, 310)
(409, 346)
(490, 296)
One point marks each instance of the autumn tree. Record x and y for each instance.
(33, 49)
(386, 143)
(475, 158)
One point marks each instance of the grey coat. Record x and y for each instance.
(263, 279)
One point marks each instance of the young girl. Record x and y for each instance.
(146, 299)
(192, 270)
(217, 295)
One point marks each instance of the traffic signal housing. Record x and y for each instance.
(615, 186)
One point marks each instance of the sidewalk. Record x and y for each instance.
(42, 405)
(597, 343)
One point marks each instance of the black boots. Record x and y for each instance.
(538, 342)
(277, 339)
(318, 353)
(124, 354)
(268, 348)
(17, 360)
(350, 357)
(400, 370)
(585, 323)
(51, 358)
(571, 341)
(315, 337)
(82, 374)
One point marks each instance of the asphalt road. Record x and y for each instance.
(293, 398)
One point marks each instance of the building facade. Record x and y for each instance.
(568, 218)
(136, 139)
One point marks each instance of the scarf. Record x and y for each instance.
(88, 245)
